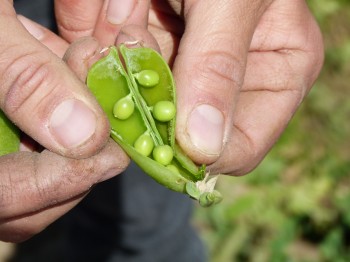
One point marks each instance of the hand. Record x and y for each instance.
(50, 104)
(242, 68)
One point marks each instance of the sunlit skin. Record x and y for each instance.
(264, 66)
(256, 73)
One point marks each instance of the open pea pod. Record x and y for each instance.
(136, 89)
(9, 136)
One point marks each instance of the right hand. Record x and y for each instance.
(49, 103)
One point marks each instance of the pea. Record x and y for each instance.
(144, 145)
(9, 136)
(147, 78)
(173, 168)
(148, 137)
(164, 111)
(163, 154)
(123, 108)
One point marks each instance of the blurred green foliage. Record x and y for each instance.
(296, 205)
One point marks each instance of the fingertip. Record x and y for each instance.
(205, 128)
(72, 123)
(202, 136)
(81, 54)
(55, 43)
(33, 28)
(117, 157)
(131, 33)
(119, 11)
(79, 128)
(46, 100)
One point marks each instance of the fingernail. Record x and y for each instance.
(32, 27)
(119, 10)
(72, 123)
(206, 129)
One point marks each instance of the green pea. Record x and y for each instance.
(124, 108)
(163, 154)
(164, 111)
(147, 78)
(144, 145)
(173, 168)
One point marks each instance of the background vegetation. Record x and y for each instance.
(296, 205)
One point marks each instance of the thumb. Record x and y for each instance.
(43, 97)
(209, 72)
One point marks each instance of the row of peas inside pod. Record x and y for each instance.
(136, 89)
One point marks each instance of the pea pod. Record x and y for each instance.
(136, 89)
(9, 136)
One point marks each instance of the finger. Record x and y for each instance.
(23, 228)
(77, 18)
(134, 33)
(117, 13)
(43, 97)
(38, 188)
(168, 32)
(278, 76)
(81, 54)
(55, 43)
(85, 51)
(209, 71)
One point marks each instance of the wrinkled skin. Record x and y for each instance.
(252, 62)
(250, 77)
(39, 185)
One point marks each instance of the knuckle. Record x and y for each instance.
(25, 77)
(63, 181)
(80, 173)
(241, 155)
(220, 70)
(6, 197)
(76, 177)
(247, 164)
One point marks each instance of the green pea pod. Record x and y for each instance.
(131, 84)
(9, 136)
(166, 177)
